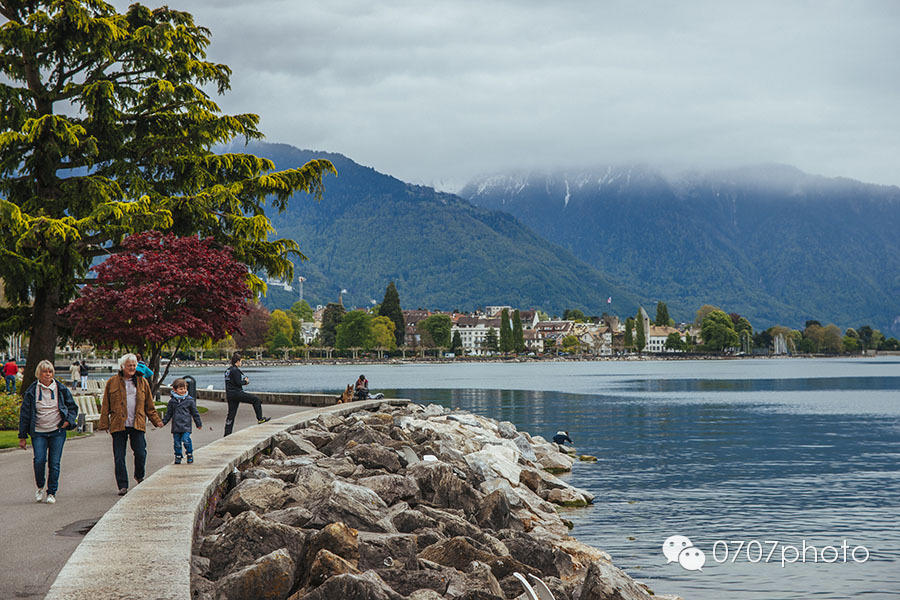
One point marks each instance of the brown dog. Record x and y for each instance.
(347, 396)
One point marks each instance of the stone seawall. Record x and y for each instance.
(401, 503)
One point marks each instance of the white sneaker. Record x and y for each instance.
(39, 496)
(51, 499)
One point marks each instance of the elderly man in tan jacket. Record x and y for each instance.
(127, 404)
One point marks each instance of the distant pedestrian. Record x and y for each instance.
(562, 437)
(74, 374)
(127, 404)
(181, 410)
(10, 371)
(85, 369)
(48, 410)
(235, 380)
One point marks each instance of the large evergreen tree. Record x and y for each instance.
(106, 130)
(518, 336)
(490, 340)
(662, 314)
(506, 337)
(640, 333)
(331, 318)
(390, 308)
(629, 333)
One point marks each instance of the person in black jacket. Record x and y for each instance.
(235, 394)
(48, 410)
(181, 410)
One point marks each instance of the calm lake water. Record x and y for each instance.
(771, 453)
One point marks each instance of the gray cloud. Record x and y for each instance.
(436, 92)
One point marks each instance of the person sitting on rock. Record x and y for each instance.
(361, 388)
(562, 437)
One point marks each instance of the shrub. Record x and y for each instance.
(9, 411)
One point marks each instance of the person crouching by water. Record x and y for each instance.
(235, 380)
(562, 437)
(181, 410)
(127, 404)
(361, 388)
(48, 410)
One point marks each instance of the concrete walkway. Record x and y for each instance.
(39, 538)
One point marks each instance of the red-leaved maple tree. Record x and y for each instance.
(161, 288)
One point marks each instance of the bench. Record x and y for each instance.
(87, 406)
(95, 386)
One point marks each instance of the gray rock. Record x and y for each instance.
(355, 505)
(392, 488)
(494, 512)
(375, 456)
(440, 485)
(340, 466)
(544, 557)
(259, 495)
(467, 419)
(288, 444)
(409, 521)
(433, 410)
(426, 594)
(408, 582)
(604, 581)
(408, 456)
(498, 483)
(317, 437)
(326, 564)
(525, 447)
(271, 577)
(295, 516)
(244, 539)
(358, 433)
(380, 550)
(368, 586)
(507, 430)
(337, 538)
(328, 422)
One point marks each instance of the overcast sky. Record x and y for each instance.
(437, 91)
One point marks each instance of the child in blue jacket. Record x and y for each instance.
(182, 408)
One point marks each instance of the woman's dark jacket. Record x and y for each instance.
(68, 410)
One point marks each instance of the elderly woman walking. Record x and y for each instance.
(48, 410)
(127, 404)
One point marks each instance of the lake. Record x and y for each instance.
(757, 462)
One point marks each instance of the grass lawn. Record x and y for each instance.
(10, 439)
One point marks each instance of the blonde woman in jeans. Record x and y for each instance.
(48, 410)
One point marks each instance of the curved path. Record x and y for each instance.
(37, 539)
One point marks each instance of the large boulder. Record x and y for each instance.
(244, 539)
(367, 586)
(358, 433)
(317, 437)
(355, 505)
(507, 430)
(337, 538)
(271, 577)
(258, 495)
(339, 466)
(549, 560)
(386, 550)
(604, 581)
(375, 456)
(392, 488)
(495, 512)
(327, 564)
(495, 460)
(440, 485)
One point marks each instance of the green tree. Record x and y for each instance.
(280, 331)
(640, 336)
(506, 338)
(702, 312)
(490, 340)
(355, 331)
(573, 314)
(832, 339)
(390, 308)
(850, 344)
(718, 331)
(456, 345)
(571, 344)
(674, 342)
(629, 333)
(438, 328)
(813, 337)
(518, 336)
(303, 310)
(297, 326)
(865, 333)
(662, 314)
(743, 325)
(331, 318)
(105, 130)
(383, 330)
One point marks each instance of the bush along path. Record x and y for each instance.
(402, 503)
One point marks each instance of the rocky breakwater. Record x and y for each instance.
(402, 503)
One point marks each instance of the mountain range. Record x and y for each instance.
(441, 251)
(771, 242)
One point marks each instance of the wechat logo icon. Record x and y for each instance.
(678, 548)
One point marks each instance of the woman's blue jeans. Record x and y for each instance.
(44, 444)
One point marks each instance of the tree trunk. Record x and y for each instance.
(42, 345)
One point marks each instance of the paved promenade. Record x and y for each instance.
(38, 538)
